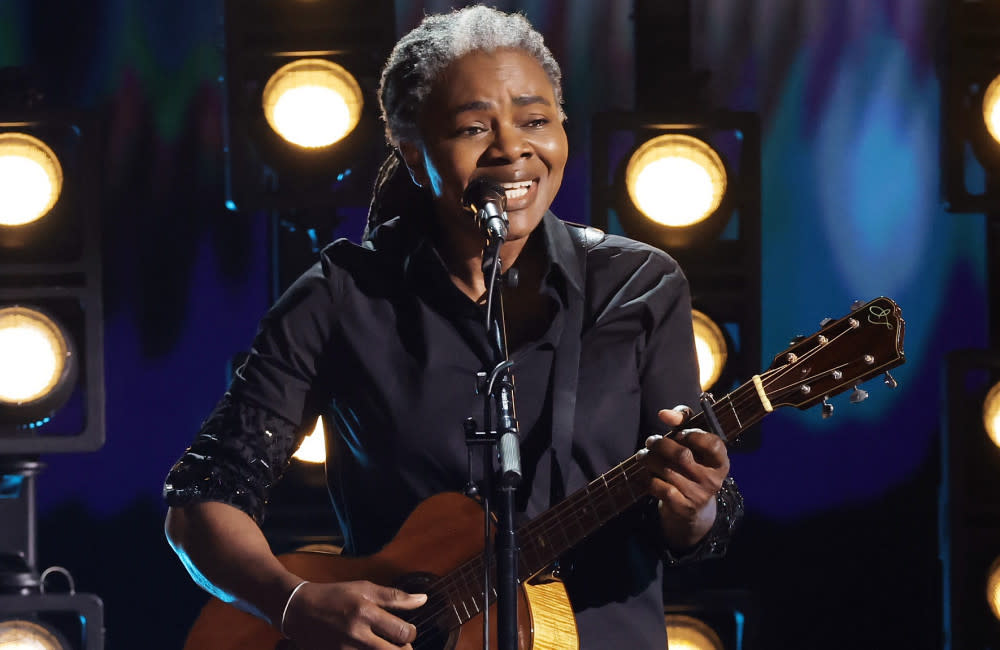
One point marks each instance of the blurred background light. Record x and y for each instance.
(30, 179)
(313, 447)
(688, 633)
(35, 354)
(20, 634)
(676, 180)
(312, 102)
(993, 588)
(711, 347)
(991, 414)
(991, 108)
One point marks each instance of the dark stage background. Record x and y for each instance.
(839, 547)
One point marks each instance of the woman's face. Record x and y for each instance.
(491, 114)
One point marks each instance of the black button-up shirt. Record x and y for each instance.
(380, 339)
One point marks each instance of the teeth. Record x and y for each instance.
(516, 190)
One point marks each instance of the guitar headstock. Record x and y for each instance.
(844, 353)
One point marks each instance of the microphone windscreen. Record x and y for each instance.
(483, 190)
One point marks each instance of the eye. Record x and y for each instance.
(472, 129)
(538, 122)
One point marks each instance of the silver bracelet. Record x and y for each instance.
(288, 602)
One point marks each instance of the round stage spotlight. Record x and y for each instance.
(991, 414)
(31, 179)
(676, 180)
(711, 348)
(312, 103)
(993, 588)
(37, 363)
(313, 447)
(688, 633)
(19, 634)
(991, 108)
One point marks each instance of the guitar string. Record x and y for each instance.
(473, 567)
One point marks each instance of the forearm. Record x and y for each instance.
(227, 554)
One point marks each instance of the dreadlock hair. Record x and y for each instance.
(416, 62)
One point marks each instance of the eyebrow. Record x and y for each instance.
(521, 100)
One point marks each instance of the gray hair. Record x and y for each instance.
(423, 54)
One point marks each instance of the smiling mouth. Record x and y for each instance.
(516, 190)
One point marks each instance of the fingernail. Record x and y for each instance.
(421, 597)
(652, 440)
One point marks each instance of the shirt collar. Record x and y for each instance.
(562, 252)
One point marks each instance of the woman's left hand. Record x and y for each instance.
(688, 469)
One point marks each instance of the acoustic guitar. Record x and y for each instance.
(438, 550)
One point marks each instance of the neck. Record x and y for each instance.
(463, 257)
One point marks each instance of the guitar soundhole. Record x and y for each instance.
(431, 619)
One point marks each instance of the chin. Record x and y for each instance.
(522, 225)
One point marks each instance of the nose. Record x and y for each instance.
(508, 144)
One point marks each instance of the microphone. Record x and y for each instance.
(486, 198)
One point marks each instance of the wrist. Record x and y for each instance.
(283, 620)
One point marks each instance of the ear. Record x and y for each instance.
(413, 158)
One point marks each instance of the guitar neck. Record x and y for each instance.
(546, 538)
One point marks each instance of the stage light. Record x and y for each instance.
(969, 525)
(688, 633)
(991, 108)
(676, 180)
(302, 126)
(313, 447)
(991, 414)
(711, 347)
(48, 621)
(993, 588)
(970, 110)
(51, 343)
(36, 357)
(312, 102)
(30, 179)
(27, 635)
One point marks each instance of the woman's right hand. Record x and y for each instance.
(349, 616)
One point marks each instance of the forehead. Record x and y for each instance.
(491, 76)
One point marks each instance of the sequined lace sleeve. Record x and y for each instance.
(729, 512)
(239, 453)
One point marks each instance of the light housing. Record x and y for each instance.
(74, 621)
(969, 86)
(969, 525)
(52, 266)
(270, 45)
(37, 364)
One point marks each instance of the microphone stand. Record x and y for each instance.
(497, 389)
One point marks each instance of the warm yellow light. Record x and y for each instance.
(688, 633)
(312, 102)
(991, 108)
(30, 179)
(993, 588)
(710, 345)
(313, 447)
(33, 355)
(991, 414)
(676, 180)
(25, 635)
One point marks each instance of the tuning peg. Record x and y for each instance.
(827, 408)
(798, 338)
(826, 321)
(857, 304)
(890, 381)
(858, 395)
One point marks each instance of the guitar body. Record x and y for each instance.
(442, 533)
